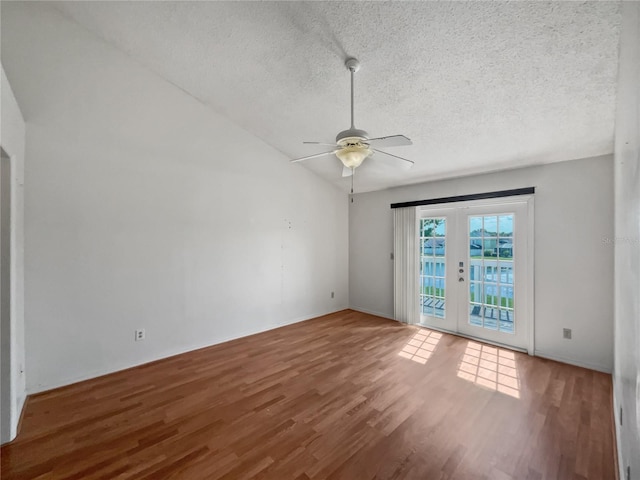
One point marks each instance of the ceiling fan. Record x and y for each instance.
(353, 146)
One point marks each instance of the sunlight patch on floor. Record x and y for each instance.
(490, 367)
(421, 346)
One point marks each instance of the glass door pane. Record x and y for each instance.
(491, 303)
(432, 266)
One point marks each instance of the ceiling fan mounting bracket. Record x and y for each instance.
(352, 64)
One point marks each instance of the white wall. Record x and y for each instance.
(573, 264)
(147, 209)
(627, 244)
(12, 140)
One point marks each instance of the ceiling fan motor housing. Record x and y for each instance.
(352, 132)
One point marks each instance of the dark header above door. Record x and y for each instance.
(466, 198)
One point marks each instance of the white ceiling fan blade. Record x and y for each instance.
(393, 160)
(346, 171)
(391, 141)
(312, 156)
(320, 143)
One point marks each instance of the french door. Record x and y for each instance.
(475, 270)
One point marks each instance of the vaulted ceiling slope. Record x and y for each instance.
(477, 86)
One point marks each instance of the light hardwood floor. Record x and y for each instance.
(344, 396)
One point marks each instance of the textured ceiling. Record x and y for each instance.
(477, 86)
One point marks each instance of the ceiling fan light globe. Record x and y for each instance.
(352, 156)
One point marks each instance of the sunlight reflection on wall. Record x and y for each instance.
(490, 367)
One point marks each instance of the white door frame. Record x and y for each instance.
(452, 308)
(7, 328)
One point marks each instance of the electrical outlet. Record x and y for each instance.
(333, 294)
(566, 333)
(391, 255)
(139, 334)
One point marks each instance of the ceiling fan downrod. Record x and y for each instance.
(353, 65)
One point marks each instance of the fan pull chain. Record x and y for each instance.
(353, 174)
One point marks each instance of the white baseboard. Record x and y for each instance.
(44, 387)
(306, 317)
(15, 420)
(537, 353)
(371, 312)
(22, 400)
(570, 361)
(20, 403)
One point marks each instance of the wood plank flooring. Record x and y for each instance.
(344, 396)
